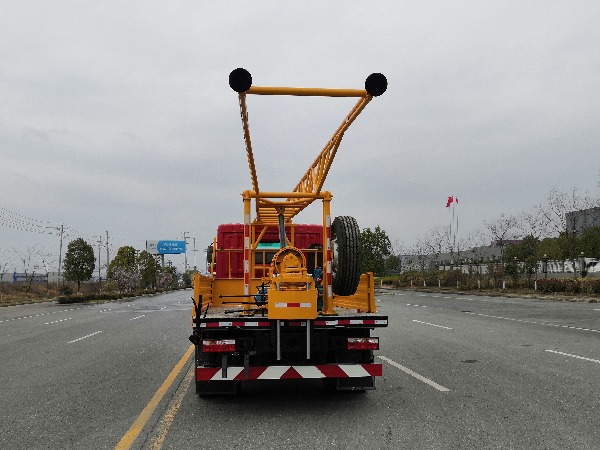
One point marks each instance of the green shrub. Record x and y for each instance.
(66, 290)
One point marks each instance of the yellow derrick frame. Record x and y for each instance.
(309, 187)
(270, 206)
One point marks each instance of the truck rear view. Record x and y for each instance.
(284, 300)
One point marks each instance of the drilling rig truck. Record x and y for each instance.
(283, 300)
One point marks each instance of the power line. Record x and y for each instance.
(20, 222)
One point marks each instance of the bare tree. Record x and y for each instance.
(535, 223)
(5, 263)
(502, 230)
(561, 203)
(435, 242)
(28, 258)
(473, 243)
(420, 251)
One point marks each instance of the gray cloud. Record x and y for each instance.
(117, 116)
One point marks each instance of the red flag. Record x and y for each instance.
(450, 200)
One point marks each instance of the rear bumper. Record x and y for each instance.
(236, 373)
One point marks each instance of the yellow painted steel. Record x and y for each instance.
(309, 187)
(202, 287)
(308, 92)
(364, 299)
(292, 304)
(313, 179)
(292, 292)
(327, 309)
(244, 113)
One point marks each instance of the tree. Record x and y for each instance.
(125, 259)
(127, 280)
(526, 252)
(79, 262)
(123, 269)
(6, 261)
(589, 242)
(376, 247)
(436, 242)
(167, 277)
(147, 268)
(502, 230)
(560, 203)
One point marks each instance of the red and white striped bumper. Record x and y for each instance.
(290, 372)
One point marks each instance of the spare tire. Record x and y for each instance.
(346, 254)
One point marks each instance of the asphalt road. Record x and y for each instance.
(459, 372)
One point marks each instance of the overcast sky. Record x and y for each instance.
(117, 116)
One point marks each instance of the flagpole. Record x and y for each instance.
(457, 232)
(450, 234)
(454, 235)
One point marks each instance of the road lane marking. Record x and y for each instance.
(571, 327)
(58, 321)
(138, 317)
(574, 356)
(128, 438)
(84, 337)
(433, 325)
(165, 425)
(431, 383)
(39, 315)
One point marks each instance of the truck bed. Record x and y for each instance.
(222, 317)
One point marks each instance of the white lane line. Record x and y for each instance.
(433, 325)
(138, 317)
(433, 384)
(574, 356)
(84, 337)
(533, 322)
(38, 315)
(58, 321)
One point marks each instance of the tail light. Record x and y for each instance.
(370, 343)
(218, 345)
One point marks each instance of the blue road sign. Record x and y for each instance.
(170, 247)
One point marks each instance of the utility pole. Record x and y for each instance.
(185, 238)
(195, 266)
(107, 255)
(61, 230)
(99, 241)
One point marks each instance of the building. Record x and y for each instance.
(579, 221)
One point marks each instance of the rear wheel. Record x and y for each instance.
(347, 255)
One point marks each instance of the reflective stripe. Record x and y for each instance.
(288, 372)
(292, 305)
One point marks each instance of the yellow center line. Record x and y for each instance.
(167, 421)
(128, 439)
